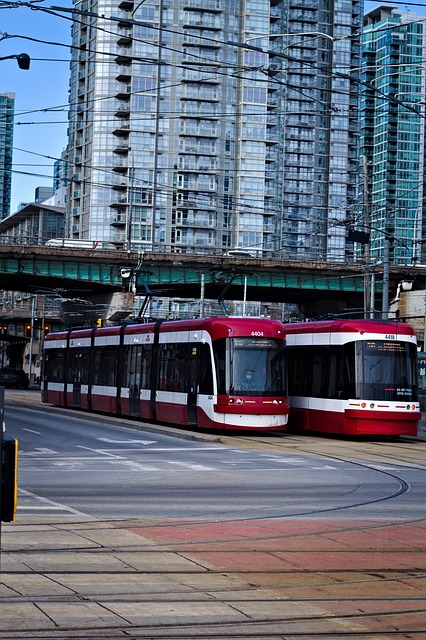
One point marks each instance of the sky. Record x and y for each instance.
(41, 93)
(43, 87)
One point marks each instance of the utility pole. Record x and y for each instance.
(33, 308)
(385, 294)
(367, 283)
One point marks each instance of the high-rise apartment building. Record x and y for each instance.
(393, 133)
(7, 111)
(320, 127)
(204, 125)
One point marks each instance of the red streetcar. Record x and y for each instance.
(355, 377)
(213, 373)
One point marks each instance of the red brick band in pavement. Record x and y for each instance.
(370, 571)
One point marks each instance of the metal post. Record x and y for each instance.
(385, 295)
(129, 215)
(372, 294)
(202, 296)
(424, 323)
(245, 295)
(1, 455)
(30, 369)
(367, 293)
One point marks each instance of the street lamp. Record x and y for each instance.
(23, 60)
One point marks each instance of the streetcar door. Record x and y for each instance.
(80, 375)
(192, 387)
(75, 376)
(134, 380)
(76, 392)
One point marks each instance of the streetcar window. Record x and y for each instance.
(251, 366)
(146, 367)
(175, 360)
(205, 370)
(386, 370)
(78, 366)
(133, 368)
(137, 366)
(299, 371)
(105, 366)
(322, 371)
(54, 365)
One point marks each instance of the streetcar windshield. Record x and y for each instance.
(251, 366)
(386, 370)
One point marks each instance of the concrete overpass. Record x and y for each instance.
(317, 287)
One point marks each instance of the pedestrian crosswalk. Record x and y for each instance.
(137, 462)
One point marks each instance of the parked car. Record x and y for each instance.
(14, 377)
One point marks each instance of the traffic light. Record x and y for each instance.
(46, 329)
(9, 480)
(28, 331)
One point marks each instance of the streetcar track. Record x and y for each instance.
(227, 628)
(255, 629)
(404, 487)
(119, 597)
(209, 572)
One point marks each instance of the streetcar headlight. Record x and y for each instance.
(408, 407)
(372, 405)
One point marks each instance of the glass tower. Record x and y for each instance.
(393, 132)
(320, 128)
(201, 125)
(7, 111)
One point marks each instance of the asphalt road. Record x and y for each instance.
(79, 465)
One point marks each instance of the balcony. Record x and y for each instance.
(204, 5)
(122, 148)
(126, 5)
(119, 202)
(119, 183)
(124, 55)
(124, 73)
(123, 91)
(122, 130)
(120, 165)
(125, 37)
(122, 111)
(119, 221)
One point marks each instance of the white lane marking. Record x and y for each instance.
(187, 465)
(50, 503)
(189, 449)
(39, 451)
(134, 466)
(24, 453)
(69, 465)
(111, 441)
(43, 508)
(32, 431)
(101, 452)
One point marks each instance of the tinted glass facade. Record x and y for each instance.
(201, 125)
(393, 132)
(7, 110)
